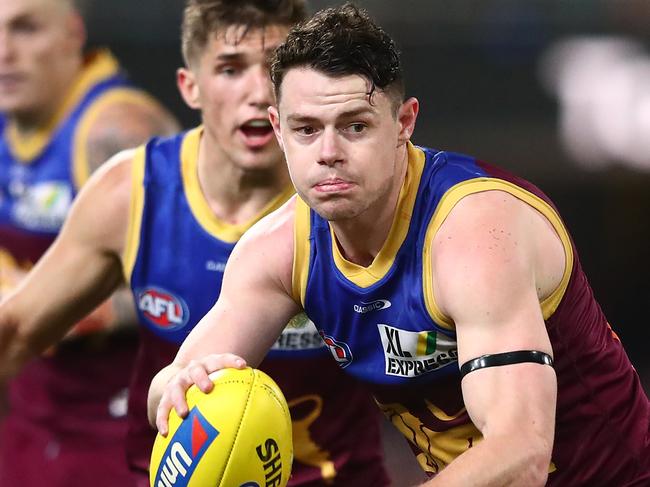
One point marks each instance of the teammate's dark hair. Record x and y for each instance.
(342, 41)
(202, 18)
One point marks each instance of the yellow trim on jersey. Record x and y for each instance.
(301, 250)
(80, 167)
(200, 208)
(367, 276)
(99, 65)
(136, 207)
(465, 188)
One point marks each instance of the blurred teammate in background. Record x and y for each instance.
(62, 113)
(448, 285)
(166, 218)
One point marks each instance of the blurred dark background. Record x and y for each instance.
(557, 91)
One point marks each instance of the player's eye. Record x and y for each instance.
(356, 128)
(25, 26)
(227, 70)
(306, 130)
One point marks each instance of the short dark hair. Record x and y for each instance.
(341, 41)
(202, 18)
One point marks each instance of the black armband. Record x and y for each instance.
(506, 358)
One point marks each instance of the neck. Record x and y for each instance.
(236, 195)
(361, 238)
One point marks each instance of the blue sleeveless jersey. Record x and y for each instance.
(175, 257)
(383, 325)
(407, 344)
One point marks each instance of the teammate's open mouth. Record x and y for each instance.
(257, 132)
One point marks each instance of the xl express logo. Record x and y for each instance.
(163, 308)
(185, 449)
(412, 353)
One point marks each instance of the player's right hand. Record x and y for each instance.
(181, 379)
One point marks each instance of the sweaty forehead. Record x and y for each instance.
(308, 89)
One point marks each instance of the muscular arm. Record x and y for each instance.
(79, 270)
(254, 306)
(494, 259)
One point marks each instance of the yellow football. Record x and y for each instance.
(238, 435)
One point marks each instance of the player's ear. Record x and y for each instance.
(274, 117)
(76, 31)
(189, 88)
(406, 116)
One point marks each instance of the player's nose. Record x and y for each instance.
(330, 150)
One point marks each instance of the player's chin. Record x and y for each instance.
(262, 159)
(335, 209)
(12, 104)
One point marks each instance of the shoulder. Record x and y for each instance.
(121, 118)
(276, 227)
(104, 201)
(493, 238)
(269, 245)
(130, 113)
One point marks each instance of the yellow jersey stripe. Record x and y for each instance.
(200, 208)
(301, 250)
(367, 276)
(136, 207)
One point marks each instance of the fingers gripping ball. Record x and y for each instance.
(238, 435)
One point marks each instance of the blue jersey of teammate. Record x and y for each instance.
(175, 256)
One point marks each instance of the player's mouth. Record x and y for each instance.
(333, 185)
(256, 133)
(10, 81)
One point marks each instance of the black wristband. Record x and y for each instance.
(506, 358)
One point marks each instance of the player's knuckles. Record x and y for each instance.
(229, 360)
(182, 380)
(215, 362)
(177, 399)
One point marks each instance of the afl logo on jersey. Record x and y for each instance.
(162, 308)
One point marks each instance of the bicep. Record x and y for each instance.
(128, 122)
(484, 261)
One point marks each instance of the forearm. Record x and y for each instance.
(497, 462)
(16, 344)
(116, 313)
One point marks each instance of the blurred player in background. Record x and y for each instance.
(448, 285)
(166, 218)
(62, 113)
